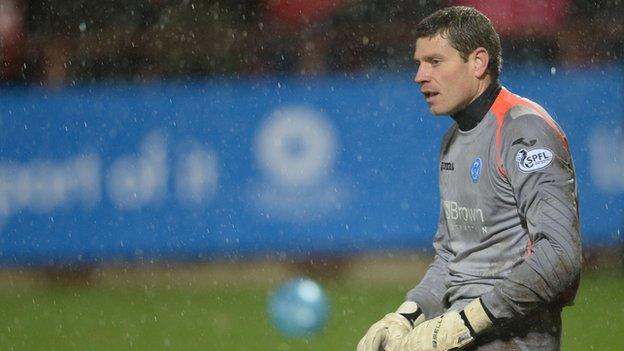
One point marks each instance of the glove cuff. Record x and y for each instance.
(411, 311)
(476, 317)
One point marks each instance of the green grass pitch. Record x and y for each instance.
(234, 318)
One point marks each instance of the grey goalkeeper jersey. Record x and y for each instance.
(509, 226)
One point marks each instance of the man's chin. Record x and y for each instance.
(437, 112)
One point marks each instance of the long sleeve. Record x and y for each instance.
(541, 174)
(429, 293)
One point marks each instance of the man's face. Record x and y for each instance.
(448, 82)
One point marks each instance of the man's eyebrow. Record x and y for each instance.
(426, 58)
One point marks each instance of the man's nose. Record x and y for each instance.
(421, 75)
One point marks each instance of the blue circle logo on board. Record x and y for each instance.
(475, 170)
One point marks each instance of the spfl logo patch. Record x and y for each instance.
(475, 170)
(533, 160)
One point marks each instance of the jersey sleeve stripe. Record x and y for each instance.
(503, 103)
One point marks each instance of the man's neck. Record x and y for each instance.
(470, 116)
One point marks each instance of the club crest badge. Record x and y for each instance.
(475, 170)
(533, 160)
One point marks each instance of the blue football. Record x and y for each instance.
(299, 308)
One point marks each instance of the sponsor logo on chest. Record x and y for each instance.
(454, 211)
(464, 219)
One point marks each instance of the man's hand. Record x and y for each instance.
(451, 331)
(391, 328)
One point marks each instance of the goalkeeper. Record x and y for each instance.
(507, 247)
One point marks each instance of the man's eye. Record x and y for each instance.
(436, 62)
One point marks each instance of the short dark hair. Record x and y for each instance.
(466, 29)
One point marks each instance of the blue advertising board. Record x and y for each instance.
(280, 167)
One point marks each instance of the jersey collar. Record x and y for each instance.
(469, 117)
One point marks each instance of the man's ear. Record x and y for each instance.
(481, 61)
